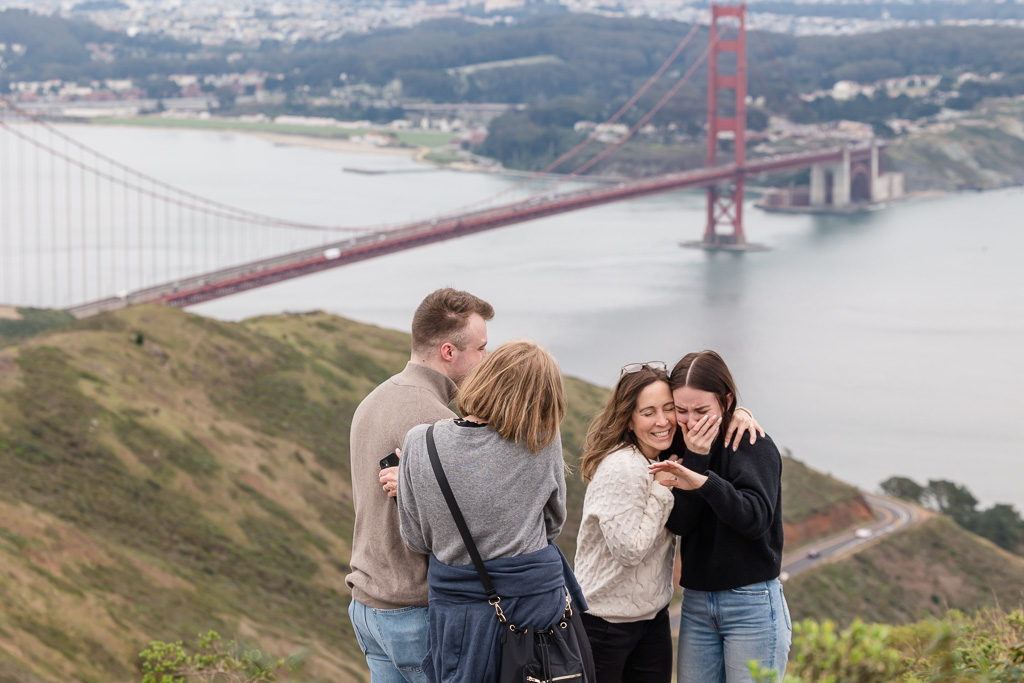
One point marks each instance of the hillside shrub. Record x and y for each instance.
(213, 661)
(987, 647)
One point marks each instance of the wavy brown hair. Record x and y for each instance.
(610, 429)
(518, 392)
(707, 371)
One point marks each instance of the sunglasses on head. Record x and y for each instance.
(637, 367)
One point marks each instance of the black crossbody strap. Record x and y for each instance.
(460, 521)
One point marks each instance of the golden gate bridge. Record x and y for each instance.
(89, 217)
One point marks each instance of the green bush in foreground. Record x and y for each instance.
(172, 663)
(987, 647)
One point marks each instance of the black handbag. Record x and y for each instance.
(558, 655)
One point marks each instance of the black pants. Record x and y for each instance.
(633, 652)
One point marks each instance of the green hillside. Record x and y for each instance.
(166, 474)
(921, 572)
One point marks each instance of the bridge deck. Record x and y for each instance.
(194, 290)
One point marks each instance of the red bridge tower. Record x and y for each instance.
(725, 202)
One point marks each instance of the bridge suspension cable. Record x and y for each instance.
(195, 200)
(647, 117)
(79, 225)
(536, 175)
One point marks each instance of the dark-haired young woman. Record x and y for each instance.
(728, 513)
(624, 552)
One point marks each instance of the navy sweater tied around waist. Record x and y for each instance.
(464, 633)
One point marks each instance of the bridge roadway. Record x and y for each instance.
(227, 281)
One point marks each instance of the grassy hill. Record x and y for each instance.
(165, 474)
(924, 571)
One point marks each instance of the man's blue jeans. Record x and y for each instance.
(721, 632)
(393, 640)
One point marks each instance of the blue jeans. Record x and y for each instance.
(720, 632)
(393, 640)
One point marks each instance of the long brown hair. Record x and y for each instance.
(706, 371)
(610, 429)
(518, 392)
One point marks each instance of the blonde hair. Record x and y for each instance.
(518, 392)
(610, 429)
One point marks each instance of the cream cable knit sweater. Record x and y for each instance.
(624, 554)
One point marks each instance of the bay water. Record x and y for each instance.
(885, 343)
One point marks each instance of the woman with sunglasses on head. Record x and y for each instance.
(728, 513)
(624, 552)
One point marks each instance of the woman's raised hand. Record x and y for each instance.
(702, 436)
(671, 473)
(742, 421)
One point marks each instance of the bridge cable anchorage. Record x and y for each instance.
(590, 138)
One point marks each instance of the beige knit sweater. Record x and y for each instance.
(385, 573)
(624, 554)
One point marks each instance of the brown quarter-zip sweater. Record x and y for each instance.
(385, 573)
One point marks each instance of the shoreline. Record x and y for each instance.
(334, 141)
(327, 144)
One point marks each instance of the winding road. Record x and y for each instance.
(891, 515)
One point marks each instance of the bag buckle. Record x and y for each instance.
(494, 602)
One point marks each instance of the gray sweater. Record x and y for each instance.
(513, 500)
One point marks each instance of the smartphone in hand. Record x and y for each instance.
(389, 460)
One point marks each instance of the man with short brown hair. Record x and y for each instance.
(389, 581)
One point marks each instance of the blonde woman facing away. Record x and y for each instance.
(624, 552)
(504, 463)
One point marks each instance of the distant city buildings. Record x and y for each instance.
(223, 22)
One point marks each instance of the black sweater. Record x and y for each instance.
(731, 527)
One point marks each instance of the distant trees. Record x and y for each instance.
(518, 142)
(973, 92)
(225, 97)
(867, 109)
(436, 86)
(159, 87)
(57, 48)
(1001, 523)
(904, 488)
